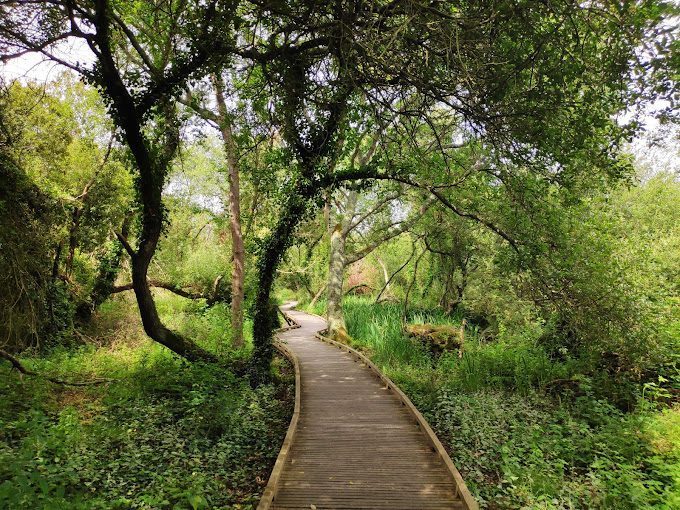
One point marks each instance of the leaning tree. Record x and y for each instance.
(540, 83)
(139, 79)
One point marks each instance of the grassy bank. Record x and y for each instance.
(163, 434)
(520, 438)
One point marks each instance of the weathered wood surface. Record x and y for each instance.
(356, 445)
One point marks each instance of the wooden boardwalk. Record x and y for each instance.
(356, 445)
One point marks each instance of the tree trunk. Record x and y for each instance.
(237, 249)
(273, 249)
(386, 275)
(336, 273)
(147, 307)
(73, 239)
(152, 167)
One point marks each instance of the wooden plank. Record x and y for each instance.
(353, 442)
(462, 489)
(281, 460)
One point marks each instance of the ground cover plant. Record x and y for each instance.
(517, 443)
(161, 434)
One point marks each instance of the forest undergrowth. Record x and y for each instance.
(518, 440)
(163, 433)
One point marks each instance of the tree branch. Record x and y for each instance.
(212, 298)
(25, 371)
(403, 227)
(389, 280)
(123, 240)
(371, 211)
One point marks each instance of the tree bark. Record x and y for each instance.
(337, 328)
(336, 272)
(237, 248)
(152, 166)
(73, 239)
(264, 316)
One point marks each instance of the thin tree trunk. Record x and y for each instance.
(318, 295)
(408, 290)
(73, 239)
(389, 280)
(386, 275)
(237, 248)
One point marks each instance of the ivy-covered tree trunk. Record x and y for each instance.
(264, 314)
(107, 272)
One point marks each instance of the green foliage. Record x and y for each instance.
(525, 430)
(531, 452)
(63, 193)
(25, 239)
(164, 434)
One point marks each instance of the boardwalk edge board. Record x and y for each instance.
(461, 489)
(272, 484)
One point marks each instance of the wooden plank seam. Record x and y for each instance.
(461, 488)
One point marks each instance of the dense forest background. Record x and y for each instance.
(485, 199)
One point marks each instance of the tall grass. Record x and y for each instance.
(517, 445)
(378, 329)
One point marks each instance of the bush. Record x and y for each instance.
(527, 430)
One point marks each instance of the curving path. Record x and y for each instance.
(356, 445)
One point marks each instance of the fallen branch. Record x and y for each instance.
(360, 285)
(25, 371)
(176, 289)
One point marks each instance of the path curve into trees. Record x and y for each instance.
(356, 445)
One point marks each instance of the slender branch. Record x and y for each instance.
(446, 202)
(189, 101)
(318, 294)
(370, 212)
(25, 371)
(135, 44)
(403, 227)
(387, 283)
(123, 240)
(357, 286)
(473, 216)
